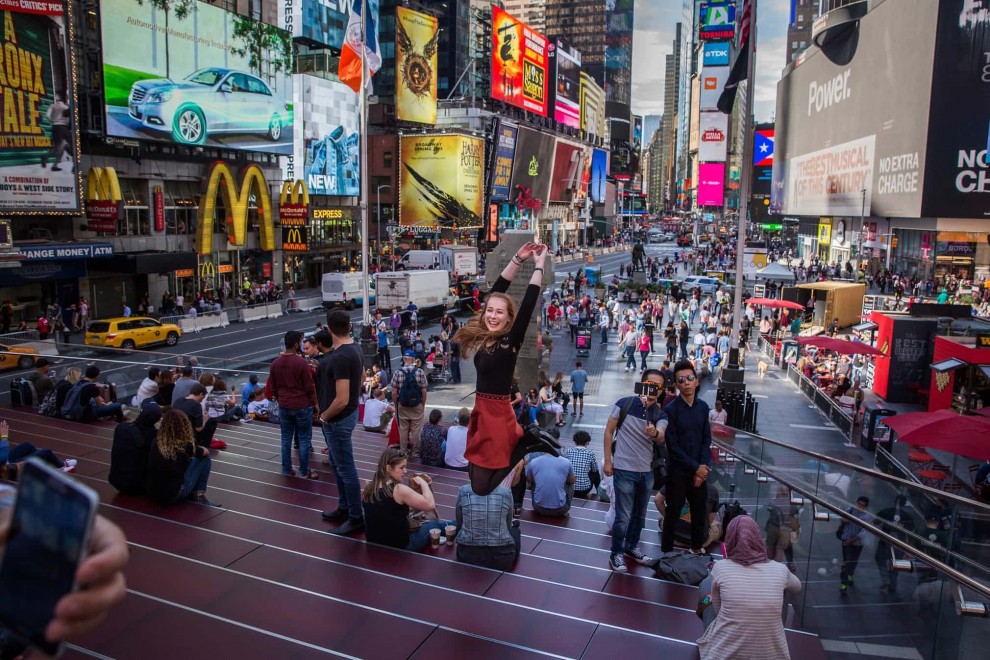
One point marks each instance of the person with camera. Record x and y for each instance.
(689, 440)
(635, 425)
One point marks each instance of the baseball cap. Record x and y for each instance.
(409, 354)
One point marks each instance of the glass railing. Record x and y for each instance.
(924, 561)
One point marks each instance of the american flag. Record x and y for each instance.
(744, 22)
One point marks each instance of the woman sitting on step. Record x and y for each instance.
(387, 502)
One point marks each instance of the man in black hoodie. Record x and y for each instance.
(131, 443)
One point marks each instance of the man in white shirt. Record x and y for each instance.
(699, 344)
(457, 441)
(377, 412)
(719, 415)
(148, 387)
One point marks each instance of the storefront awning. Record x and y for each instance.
(949, 365)
(868, 326)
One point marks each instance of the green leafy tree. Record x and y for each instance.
(262, 44)
(180, 8)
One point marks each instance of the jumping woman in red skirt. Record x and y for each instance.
(495, 442)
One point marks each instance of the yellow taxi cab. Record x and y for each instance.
(133, 332)
(21, 357)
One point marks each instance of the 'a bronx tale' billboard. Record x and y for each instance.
(856, 118)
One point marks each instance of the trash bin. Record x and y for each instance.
(582, 342)
(873, 432)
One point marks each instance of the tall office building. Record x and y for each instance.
(531, 12)
(671, 105)
(686, 68)
(803, 13)
(582, 24)
(651, 124)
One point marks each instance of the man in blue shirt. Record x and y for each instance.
(579, 378)
(247, 390)
(689, 441)
(384, 357)
(552, 479)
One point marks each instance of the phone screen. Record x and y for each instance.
(48, 534)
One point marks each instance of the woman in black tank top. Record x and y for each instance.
(387, 502)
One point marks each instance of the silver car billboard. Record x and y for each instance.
(194, 79)
(852, 119)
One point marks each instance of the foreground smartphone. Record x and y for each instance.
(49, 531)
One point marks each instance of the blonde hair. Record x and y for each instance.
(381, 482)
(175, 433)
(73, 375)
(473, 335)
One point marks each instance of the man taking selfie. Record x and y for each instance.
(635, 425)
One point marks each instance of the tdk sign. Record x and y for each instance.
(716, 54)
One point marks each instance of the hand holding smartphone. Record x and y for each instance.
(46, 542)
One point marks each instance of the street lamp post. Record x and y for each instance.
(378, 215)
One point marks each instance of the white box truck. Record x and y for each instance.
(460, 259)
(345, 290)
(418, 260)
(429, 290)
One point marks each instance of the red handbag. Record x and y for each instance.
(393, 433)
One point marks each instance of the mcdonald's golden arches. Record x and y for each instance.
(293, 204)
(294, 239)
(103, 199)
(236, 198)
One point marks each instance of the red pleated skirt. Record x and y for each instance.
(493, 432)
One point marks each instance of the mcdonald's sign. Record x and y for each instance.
(236, 199)
(103, 199)
(208, 270)
(294, 239)
(293, 204)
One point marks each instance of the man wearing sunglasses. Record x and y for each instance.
(689, 441)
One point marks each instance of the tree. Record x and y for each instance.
(181, 8)
(262, 43)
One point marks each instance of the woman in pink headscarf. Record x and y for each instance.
(747, 595)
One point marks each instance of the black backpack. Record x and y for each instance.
(73, 407)
(410, 394)
(730, 510)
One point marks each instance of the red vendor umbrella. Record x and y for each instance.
(945, 430)
(843, 346)
(771, 302)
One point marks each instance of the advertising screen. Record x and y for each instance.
(712, 83)
(38, 145)
(441, 181)
(957, 172)
(599, 175)
(198, 82)
(592, 106)
(416, 37)
(637, 139)
(844, 124)
(533, 165)
(718, 21)
(565, 90)
(711, 184)
(712, 137)
(570, 162)
(618, 50)
(505, 150)
(320, 21)
(715, 53)
(519, 63)
(327, 144)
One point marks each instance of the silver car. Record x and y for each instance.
(208, 101)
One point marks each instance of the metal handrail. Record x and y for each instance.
(130, 363)
(954, 574)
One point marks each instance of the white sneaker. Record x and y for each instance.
(69, 465)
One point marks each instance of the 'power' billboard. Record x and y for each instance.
(854, 117)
